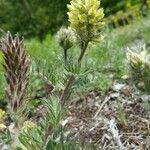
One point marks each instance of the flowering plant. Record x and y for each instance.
(140, 68)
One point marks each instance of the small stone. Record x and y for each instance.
(117, 87)
(125, 77)
(114, 95)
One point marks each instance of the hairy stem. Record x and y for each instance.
(72, 78)
(83, 49)
(67, 88)
(15, 140)
(47, 133)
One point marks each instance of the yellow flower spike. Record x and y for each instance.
(85, 16)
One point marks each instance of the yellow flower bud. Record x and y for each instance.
(2, 126)
(28, 125)
(140, 58)
(134, 59)
(140, 68)
(2, 113)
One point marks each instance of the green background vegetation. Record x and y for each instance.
(38, 18)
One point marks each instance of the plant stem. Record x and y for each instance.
(68, 86)
(72, 78)
(65, 56)
(83, 49)
(48, 132)
(15, 140)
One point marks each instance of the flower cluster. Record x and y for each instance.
(85, 16)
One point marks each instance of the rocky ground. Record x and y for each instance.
(117, 119)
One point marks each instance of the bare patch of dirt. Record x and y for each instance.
(88, 120)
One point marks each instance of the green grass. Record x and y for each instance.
(105, 59)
